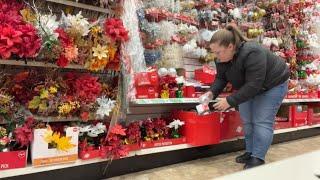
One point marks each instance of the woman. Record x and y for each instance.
(260, 79)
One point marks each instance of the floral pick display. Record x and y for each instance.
(18, 38)
(77, 95)
(175, 127)
(58, 141)
(133, 133)
(113, 142)
(72, 39)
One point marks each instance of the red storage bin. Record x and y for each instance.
(299, 115)
(284, 118)
(231, 125)
(314, 114)
(200, 130)
(203, 77)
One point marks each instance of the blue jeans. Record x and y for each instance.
(258, 116)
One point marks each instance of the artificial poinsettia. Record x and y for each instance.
(24, 134)
(115, 30)
(62, 61)
(113, 142)
(31, 42)
(87, 88)
(9, 40)
(133, 133)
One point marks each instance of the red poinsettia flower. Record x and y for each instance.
(63, 37)
(24, 134)
(84, 116)
(9, 38)
(31, 41)
(133, 132)
(118, 130)
(115, 30)
(62, 61)
(21, 76)
(87, 88)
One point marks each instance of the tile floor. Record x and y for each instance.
(217, 166)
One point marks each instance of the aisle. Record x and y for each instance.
(216, 166)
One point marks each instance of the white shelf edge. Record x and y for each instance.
(30, 170)
(166, 101)
(163, 149)
(300, 100)
(82, 5)
(281, 131)
(38, 64)
(196, 100)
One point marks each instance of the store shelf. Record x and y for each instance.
(196, 100)
(56, 119)
(82, 6)
(38, 64)
(166, 101)
(30, 169)
(300, 100)
(163, 149)
(281, 131)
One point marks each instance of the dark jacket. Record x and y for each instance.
(252, 71)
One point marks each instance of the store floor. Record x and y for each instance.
(216, 166)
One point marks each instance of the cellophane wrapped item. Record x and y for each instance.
(171, 56)
(134, 47)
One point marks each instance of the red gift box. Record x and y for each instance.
(164, 142)
(146, 92)
(132, 147)
(190, 91)
(205, 75)
(313, 114)
(284, 118)
(147, 84)
(200, 130)
(89, 154)
(299, 115)
(231, 125)
(13, 159)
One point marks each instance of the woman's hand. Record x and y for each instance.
(222, 104)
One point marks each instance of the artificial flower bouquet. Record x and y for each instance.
(90, 139)
(54, 144)
(15, 138)
(96, 142)
(72, 39)
(157, 133)
(64, 96)
(133, 136)
(112, 145)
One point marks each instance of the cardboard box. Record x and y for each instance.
(42, 155)
(13, 159)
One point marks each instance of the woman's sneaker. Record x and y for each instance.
(243, 158)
